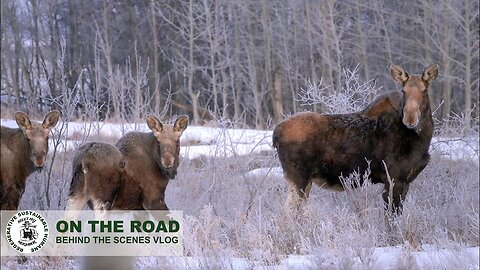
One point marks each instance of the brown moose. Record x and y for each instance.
(23, 150)
(133, 174)
(395, 128)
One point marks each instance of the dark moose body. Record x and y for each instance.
(319, 148)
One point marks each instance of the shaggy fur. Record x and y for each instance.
(133, 174)
(395, 128)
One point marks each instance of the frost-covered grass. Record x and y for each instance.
(231, 190)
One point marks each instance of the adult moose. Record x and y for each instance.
(133, 174)
(23, 150)
(395, 128)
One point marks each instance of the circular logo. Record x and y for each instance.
(27, 231)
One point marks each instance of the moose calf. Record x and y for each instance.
(23, 150)
(133, 174)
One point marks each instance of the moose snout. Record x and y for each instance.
(39, 162)
(410, 122)
(411, 115)
(38, 159)
(168, 161)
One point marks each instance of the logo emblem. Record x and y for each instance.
(27, 231)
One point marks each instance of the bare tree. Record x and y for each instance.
(244, 60)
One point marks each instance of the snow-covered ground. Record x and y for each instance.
(390, 258)
(455, 148)
(381, 258)
(384, 258)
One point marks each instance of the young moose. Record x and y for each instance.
(396, 128)
(23, 150)
(132, 175)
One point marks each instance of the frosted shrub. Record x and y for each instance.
(353, 96)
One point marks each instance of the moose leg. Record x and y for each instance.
(393, 196)
(76, 202)
(160, 205)
(78, 195)
(100, 208)
(298, 192)
(156, 206)
(155, 200)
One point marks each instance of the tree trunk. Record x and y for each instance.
(156, 79)
(363, 43)
(428, 54)
(277, 95)
(448, 72)
(191, 67)
(468, 63)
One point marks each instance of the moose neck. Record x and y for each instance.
(154, 151)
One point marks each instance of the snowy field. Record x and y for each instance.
(226, 157)
(205, 141)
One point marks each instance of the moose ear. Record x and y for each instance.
(154, 124)
(430, 73)
(398, 73)
(23, 121)
(181, 123)
(51, 119)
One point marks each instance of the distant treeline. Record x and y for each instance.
(246, 60)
